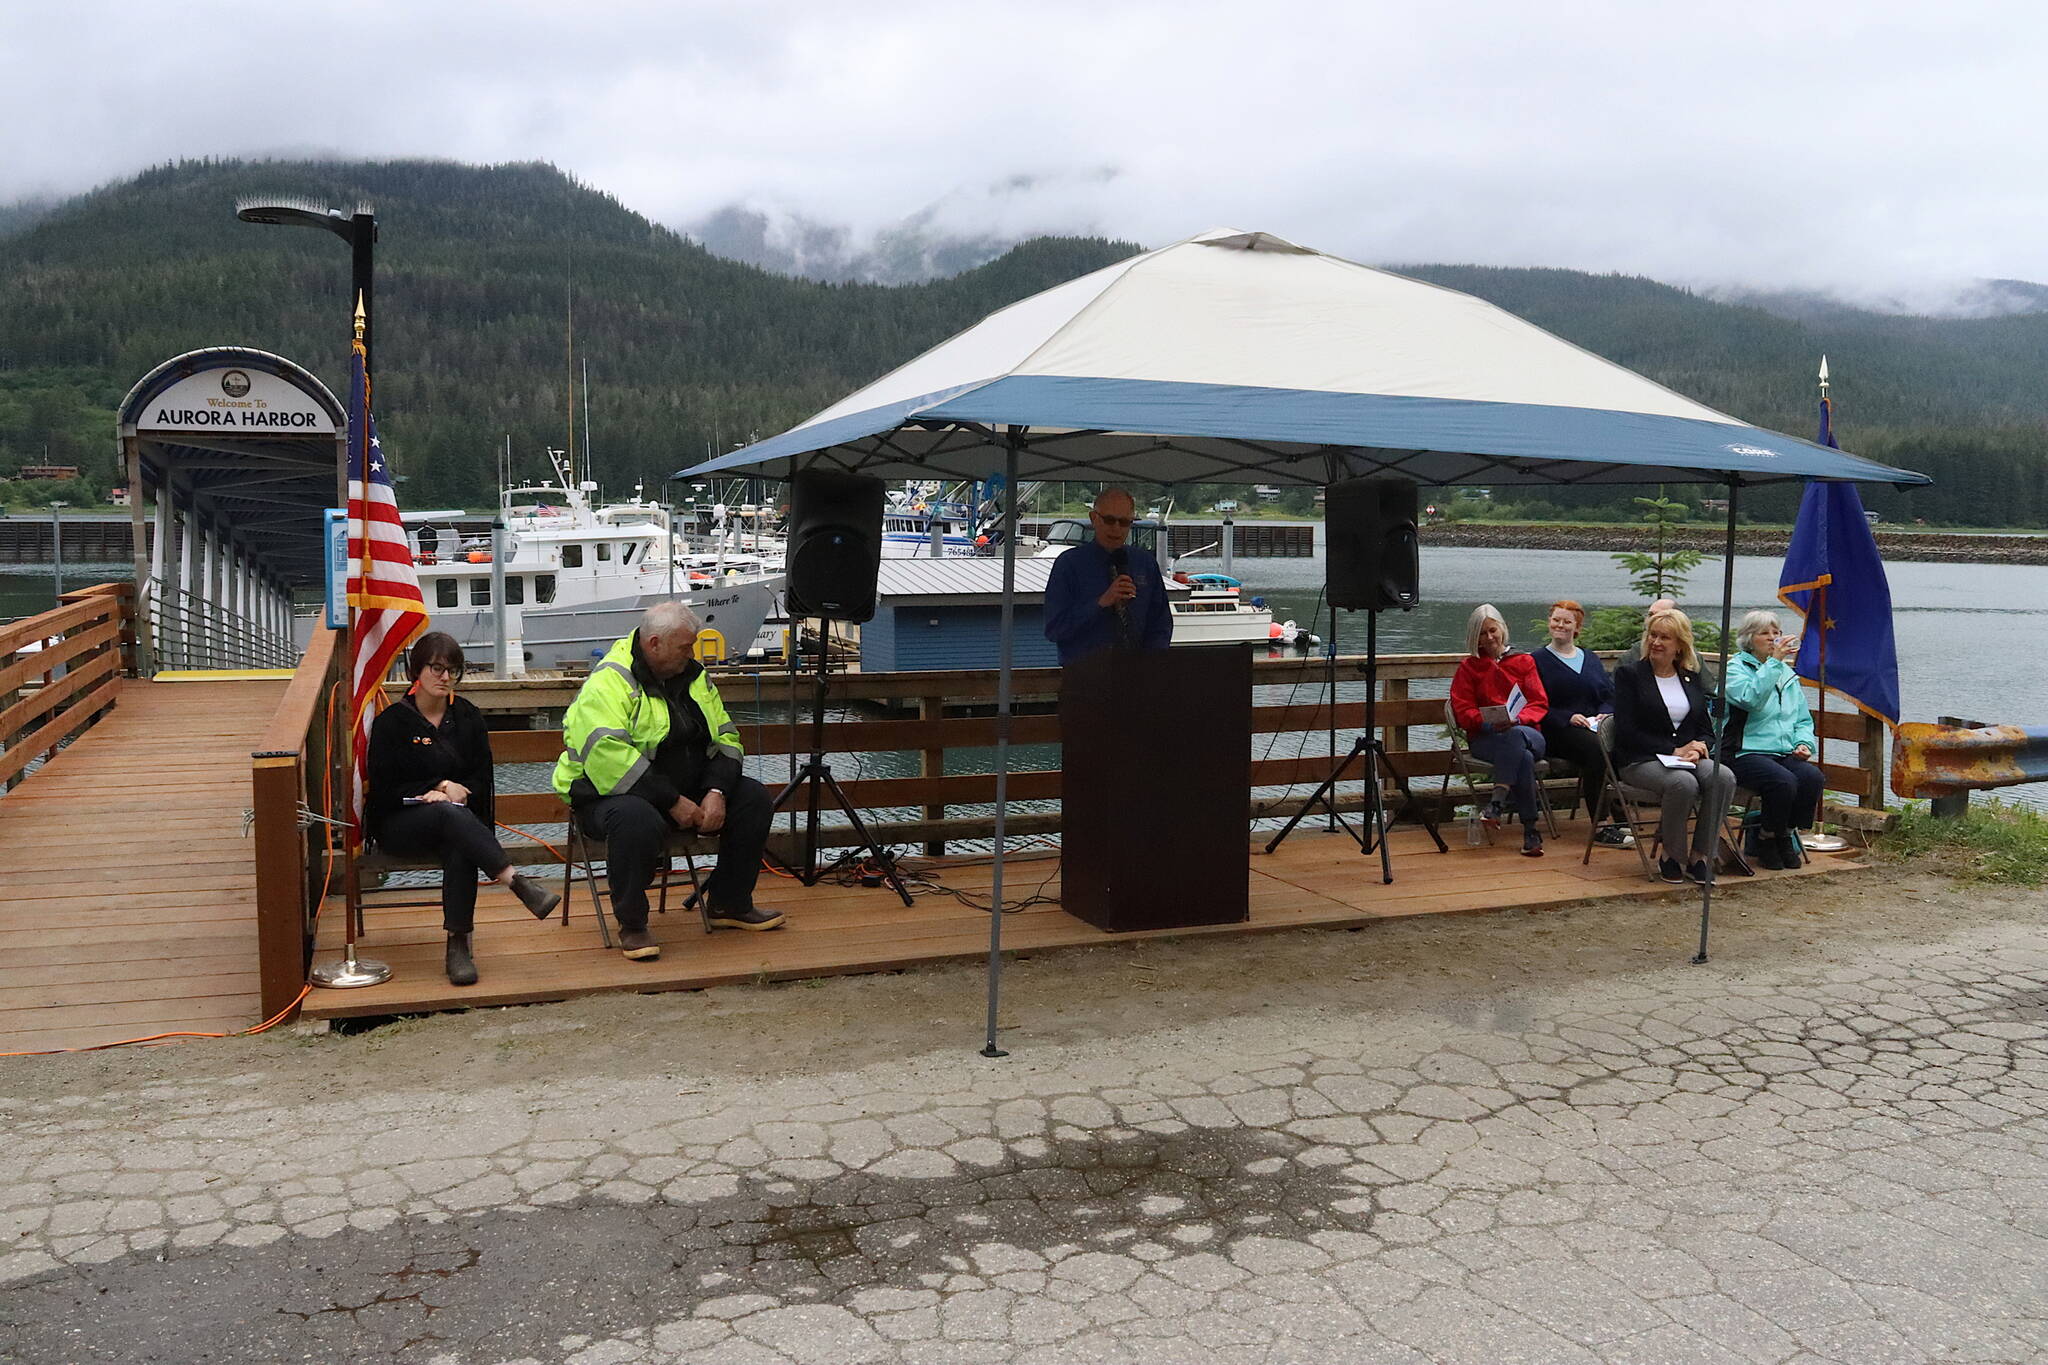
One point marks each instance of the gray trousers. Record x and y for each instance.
(1707, 788)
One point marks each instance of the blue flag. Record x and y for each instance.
(1834, 578)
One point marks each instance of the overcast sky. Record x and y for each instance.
(1872, 146)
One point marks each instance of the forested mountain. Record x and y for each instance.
(687, 353)
(690, 353)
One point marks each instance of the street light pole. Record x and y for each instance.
(358, 229)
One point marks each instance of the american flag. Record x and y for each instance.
(383, 588)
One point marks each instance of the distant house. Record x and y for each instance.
(49, 471)
(119, 497)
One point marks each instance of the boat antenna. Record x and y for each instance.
(588, 463)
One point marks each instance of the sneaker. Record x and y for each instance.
(1668, 870)
(460, 965)
(1532, 843)
(638, 945)
(1614, 836)
(752, 917)
(538, 900)
(1495, 812)
(1767, 855)
(1698, 871)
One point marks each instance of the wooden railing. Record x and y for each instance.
(60, 671)
(1402, 718)
(294, 766)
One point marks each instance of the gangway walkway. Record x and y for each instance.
(127, 885)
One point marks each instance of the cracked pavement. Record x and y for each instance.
(1535, 1138)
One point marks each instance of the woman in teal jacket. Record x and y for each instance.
(1768, 742)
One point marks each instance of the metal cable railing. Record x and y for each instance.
(188, 631)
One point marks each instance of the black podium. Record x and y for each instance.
(1157, 751)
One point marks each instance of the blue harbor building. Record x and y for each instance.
(947, 613)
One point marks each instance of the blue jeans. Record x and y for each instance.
(1513, 753)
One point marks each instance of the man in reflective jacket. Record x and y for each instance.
(647, 749)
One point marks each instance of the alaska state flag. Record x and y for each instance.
(1833, 560)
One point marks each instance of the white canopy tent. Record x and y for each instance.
(1238, 357)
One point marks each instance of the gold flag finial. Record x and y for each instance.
(362, 318)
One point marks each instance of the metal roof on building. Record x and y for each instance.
(958, 579)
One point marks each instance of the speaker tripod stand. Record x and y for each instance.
(1379, 766)
(814, 782)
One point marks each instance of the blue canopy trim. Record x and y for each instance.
(1166, 432)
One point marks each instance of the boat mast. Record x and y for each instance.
(571, 451)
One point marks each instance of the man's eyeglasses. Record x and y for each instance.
(1107, 520)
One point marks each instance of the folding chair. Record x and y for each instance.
(583, 851)
(1643, 812)
(1472, 768)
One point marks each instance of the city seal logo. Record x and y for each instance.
(234, 384)
(1755, 452)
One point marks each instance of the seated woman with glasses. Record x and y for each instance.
(1498, 700)
(1769, 741)
(430, 795)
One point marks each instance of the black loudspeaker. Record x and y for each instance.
(1372, 554)
(835, 545)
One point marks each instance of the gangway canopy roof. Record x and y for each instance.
(1238, 357)
(255, 438)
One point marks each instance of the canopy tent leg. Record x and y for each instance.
(1011, 440)
(1721, 716)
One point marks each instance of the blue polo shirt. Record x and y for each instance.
(1079, 627)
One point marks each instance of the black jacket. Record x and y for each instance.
(409, 757)
(1642, 723)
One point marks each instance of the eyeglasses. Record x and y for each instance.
(445, 670)
(1107, 520)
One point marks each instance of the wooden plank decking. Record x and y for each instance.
(1314, 880)
(127, 888)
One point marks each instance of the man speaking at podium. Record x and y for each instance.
(1107, 593)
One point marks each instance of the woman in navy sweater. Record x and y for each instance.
(1580, 693)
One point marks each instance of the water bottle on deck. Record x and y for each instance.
(1475, 833)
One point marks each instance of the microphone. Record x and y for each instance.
(1119, 564)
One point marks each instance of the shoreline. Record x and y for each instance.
(1900, 546)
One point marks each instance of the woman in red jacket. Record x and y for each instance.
(1498, 700)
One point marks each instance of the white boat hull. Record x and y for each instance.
(558, 637)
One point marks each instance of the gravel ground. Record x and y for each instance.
(1523, 1137)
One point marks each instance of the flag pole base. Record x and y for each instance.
(1823, 843)
(351, 972)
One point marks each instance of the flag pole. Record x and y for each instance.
(353, 971)
(1814, 839)
(1821, 596)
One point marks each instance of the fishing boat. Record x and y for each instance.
(577, 578)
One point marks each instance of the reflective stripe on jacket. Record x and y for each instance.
(614, 727)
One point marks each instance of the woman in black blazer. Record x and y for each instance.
(430, 795)
(1660, 714)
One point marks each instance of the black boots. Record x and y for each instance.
(1789, 851)
(1779, 850)
(461, 967)
(538, 900)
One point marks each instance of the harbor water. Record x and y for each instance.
(1965, 633)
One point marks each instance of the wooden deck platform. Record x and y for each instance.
(127, 887)
(1314, 880)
